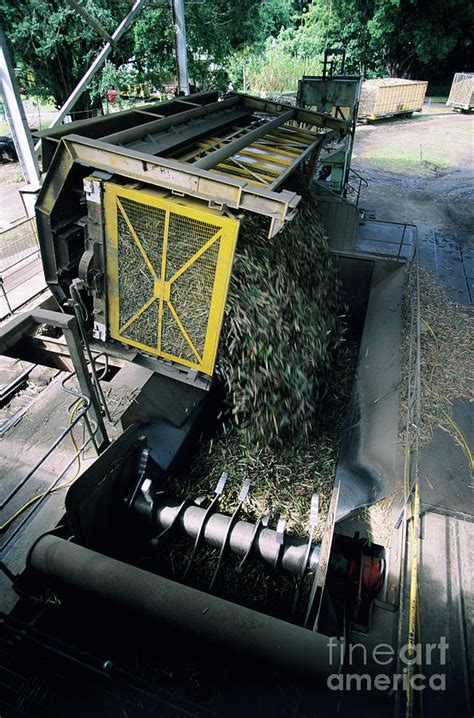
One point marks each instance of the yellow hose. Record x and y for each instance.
(36, 498)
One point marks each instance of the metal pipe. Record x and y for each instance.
(294, 552)
(213, 158)
(199, 618)
(78, 306)
(179, 22)
(81, 371)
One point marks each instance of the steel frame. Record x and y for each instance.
(333, 94)
(224, 238)
(255, 145)
(16, 117)
(24, 324)
(100, 127)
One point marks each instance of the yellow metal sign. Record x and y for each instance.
(169, 263)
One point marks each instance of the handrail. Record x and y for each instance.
(92, 430)
(405, 226)
(359, 176)
(361, 182)
(82, 413)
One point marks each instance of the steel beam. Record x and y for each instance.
(213, 158)
(120, 30)
(16, 115)
(165, 123)
(97, 127)
(189, 132)
(309, 117)
(167, 173)
(181, 178)
(79, 7)
(311, 152)
(179, 22)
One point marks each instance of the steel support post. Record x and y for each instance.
(16, 116)
(73, 339)
(181, 45)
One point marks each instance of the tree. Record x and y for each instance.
(273, 41)
(217, 31)
(418, 32)
(53, 46)
(389, 36)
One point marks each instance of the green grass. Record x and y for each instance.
(409, 157)
(32, 113)
(430, 144)
(393, 160)
(5, 130)
(442, 99)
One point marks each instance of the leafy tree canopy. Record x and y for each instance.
(264, 44)
(53, 46)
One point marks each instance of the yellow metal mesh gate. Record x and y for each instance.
(168, 271)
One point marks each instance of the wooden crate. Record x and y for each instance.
(461, 94)
(391, 96)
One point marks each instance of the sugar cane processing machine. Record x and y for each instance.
(159, 192)
(337, 94)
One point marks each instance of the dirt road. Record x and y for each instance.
(419, 170)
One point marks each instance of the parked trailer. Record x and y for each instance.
(461, 95)
(389, 97)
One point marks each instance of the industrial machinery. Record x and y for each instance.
(461, 93)
(182, 169)
(391, 97)
(157, 193)
(336, 94)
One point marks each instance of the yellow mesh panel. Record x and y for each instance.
(145, 325)
(185, 237)
(191, 296)
(149, 225)
(130, 260)
(168, 270)
(173, 341)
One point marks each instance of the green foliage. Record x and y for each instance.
(277, 70)
(265, 45)
(391, 36)
(217, 32)
(124, 79)
(52, 45)
(381, 37)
